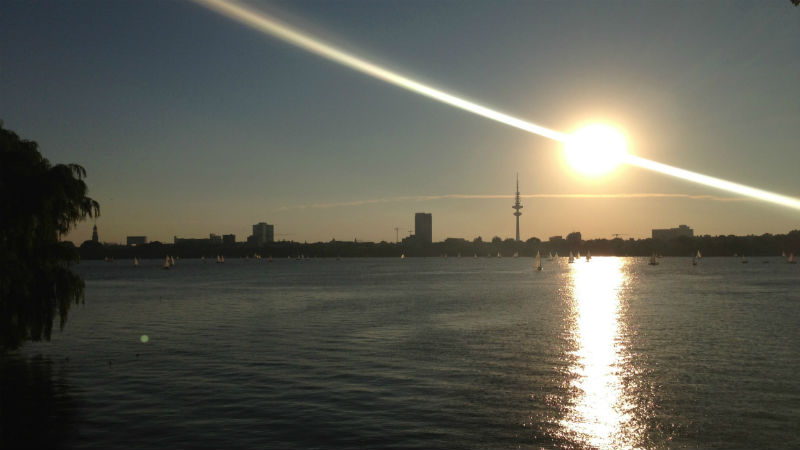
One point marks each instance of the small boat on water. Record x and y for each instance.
(171, 261)
(588, 256)
(653, 260)
(791, 259)
(516, 254)
(538, 261)
(220, 259)
(550, 256)
(135, 262)
(696, 258)
(744, 260)
(402, 256)
(166, 263)
(571, 259)
(578, 256)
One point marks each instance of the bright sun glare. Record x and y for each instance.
(595, 149)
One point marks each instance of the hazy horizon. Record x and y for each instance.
(189, 123)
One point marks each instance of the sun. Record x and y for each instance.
(595, 149)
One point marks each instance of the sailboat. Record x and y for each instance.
(135, 261)
(571, 259)
(579, 256)
(269, 259)
(203, 258)
(538, 261)
(783, 254)
(698, 254)
(166, 263)
(695, 259)
(220, 259)
(474, 255)
(550, 256)
(588, 256)
(556, 255)
(744, 260)
(171, 261)
(653, 260)
(498, 255)
(516, 254)
(791, 259)
(402, 256)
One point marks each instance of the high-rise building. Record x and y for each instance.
(263, 233)
(517, 206)
(95, 238)
(672, 233)
(228, 239)
(423, 227)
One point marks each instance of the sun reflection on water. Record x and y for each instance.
(598, 416)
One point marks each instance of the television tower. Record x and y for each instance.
(517, 206)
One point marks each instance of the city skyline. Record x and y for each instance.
(173, 150)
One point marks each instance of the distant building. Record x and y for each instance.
(214, 238)
(556, 239)
(672, 233)
(263, 233)
(136, 240)
(575, 237)
(517, 206)
(228, 239)
(423, 228)
(95, 238)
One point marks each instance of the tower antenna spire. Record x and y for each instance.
(517, 206)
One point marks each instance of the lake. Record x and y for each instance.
(418, 353)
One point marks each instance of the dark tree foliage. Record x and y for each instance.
(39, 203)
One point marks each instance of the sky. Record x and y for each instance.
(189, 123)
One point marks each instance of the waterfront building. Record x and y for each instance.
(423, 228)
(133, 241)
(672, 233)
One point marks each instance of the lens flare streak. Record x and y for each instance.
(263, 23)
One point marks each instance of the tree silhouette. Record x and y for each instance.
(39, 203)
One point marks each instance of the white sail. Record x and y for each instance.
(171, 261)
(136, 261)
(402, 256)
(653, 261)
(166, 263)
(538, 262)
(588, 255)
(571, 259)
(791, 259)
(698, 255)
(556, 255)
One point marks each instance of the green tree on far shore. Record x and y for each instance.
(39, 203)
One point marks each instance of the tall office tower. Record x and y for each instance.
(423, 227)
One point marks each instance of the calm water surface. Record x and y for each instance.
(419, 353)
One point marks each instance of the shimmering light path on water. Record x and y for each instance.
(419, 353)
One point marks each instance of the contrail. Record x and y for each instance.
(425, 198)
(265, 24)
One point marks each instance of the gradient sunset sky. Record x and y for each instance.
(189, 123)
